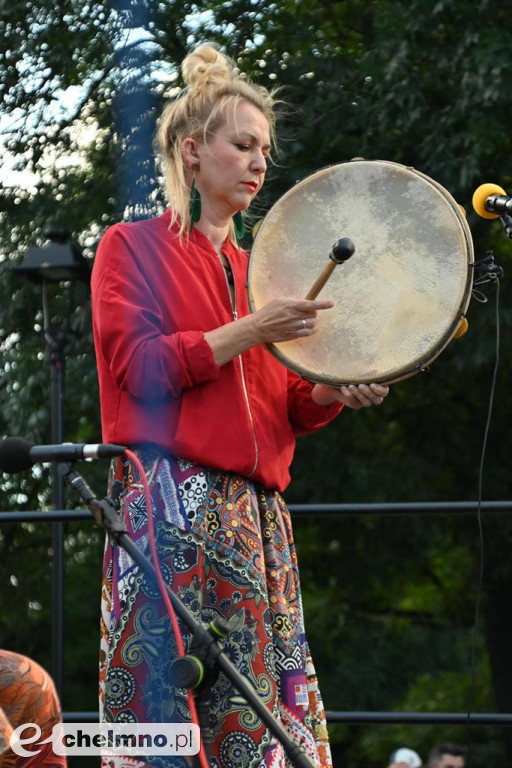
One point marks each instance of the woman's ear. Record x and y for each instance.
(190, 154)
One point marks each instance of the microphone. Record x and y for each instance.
(491, 201)
(17, 454)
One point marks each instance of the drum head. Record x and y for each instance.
(398, 300)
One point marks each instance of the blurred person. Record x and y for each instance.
(27, 695)
(447, 756)
(404, 758)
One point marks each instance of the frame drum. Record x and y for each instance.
(401, 297)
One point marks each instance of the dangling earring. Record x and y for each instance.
(239, 225)
(194, 203)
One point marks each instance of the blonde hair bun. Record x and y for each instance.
(214, 86)
(206, 67)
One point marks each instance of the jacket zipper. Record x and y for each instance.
(234, 312)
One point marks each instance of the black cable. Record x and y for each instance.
(479, 522)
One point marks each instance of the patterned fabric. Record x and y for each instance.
(226, 548)
(27, 695)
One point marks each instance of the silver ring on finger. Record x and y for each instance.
(304, 324)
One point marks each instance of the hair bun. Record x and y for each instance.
(205, 67)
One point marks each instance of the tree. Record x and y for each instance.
(392, 606)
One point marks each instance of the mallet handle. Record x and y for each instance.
(321, 280)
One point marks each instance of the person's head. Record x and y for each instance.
(217, 105)
(404, 758)
(447, 756)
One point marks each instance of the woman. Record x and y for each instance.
(186, 380)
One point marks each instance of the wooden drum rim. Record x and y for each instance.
(365, 185)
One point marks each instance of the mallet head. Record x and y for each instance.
(342, 250)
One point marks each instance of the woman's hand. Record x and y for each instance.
(353, 396)
(279, 320)
(286, 318)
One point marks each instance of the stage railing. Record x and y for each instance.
(300, 511)
(328, 510)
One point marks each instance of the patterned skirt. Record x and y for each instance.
(225, 548)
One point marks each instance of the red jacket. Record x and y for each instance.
(153, 299)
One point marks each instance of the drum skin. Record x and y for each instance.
(400, 298)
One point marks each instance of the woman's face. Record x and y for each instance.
(230, 168)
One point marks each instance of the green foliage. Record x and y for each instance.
(390, 601)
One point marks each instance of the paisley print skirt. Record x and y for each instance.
(226, 548)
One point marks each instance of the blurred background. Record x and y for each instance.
(390, 601)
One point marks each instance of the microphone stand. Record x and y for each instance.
(506, 221)
(200, 667)
(486, 270)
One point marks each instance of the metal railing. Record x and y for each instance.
(324, 510)
(365, 718)
(299, 511)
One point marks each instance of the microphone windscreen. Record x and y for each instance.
(15, 455)
(480, 196)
